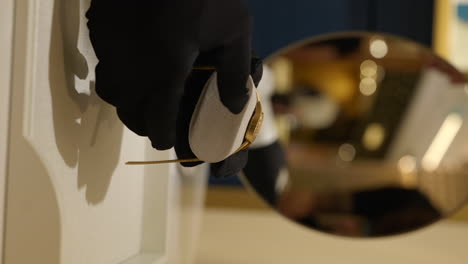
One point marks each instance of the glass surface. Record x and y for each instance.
(374, 134)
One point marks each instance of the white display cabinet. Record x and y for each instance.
(6, 47)
(69, 197)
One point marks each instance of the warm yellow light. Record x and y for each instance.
(378, 48)
(374, 136)
(407, 164)
(347, 152)
(368, 86)
(442, 141)
(369, 68)
(282, 71)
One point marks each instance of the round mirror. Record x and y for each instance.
(373, 132)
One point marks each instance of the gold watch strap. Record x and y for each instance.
(161, 161)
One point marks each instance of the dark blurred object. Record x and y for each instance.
(343, 47)
(391, 208)
(278, 23)
(262, 169)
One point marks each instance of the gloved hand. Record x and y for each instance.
(146, 51)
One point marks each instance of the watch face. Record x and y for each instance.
(374, 135)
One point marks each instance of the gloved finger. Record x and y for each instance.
(119, 79)
(231, 166)
(126, 84)
(162, 109)
(193, 88)
(233, 68)
(207, 60)
(115, 49)
(129, 91)
(256, 69)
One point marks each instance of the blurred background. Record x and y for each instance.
(239, 228)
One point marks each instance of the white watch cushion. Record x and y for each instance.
(215, 133)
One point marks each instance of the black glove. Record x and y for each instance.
(146, 50)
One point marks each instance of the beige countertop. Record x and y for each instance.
(233, 236)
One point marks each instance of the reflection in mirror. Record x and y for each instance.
(373, 132)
